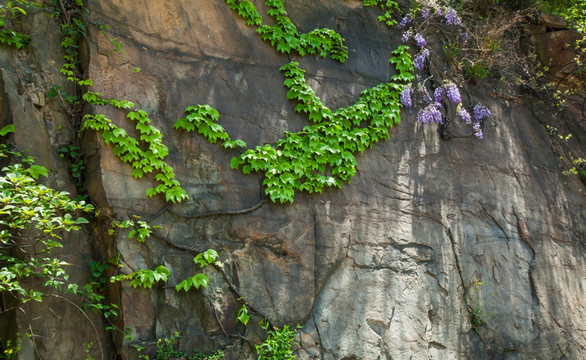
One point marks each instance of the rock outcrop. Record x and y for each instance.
(392, 266)
(41, 130)
(554, 44)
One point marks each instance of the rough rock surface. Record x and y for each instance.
(386, 267)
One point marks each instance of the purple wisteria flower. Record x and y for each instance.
(430, 114)
(407, 35)
(425, 12)
(406, 97)
(437, 94)
(452, 92)
(480, 112)
(463, 114)
(406, 20)
(419, 60)
(478, 131)
(438, 11)
(421, 42)
(452, 17)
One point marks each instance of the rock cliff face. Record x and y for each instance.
(389, 267)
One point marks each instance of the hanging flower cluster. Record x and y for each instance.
(433, 110)
(419, 61)
(480, 113)
(434, 104)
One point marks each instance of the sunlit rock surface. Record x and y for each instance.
(385, 268)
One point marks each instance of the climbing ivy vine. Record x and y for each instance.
(322, 154)
(127, 148)
(146, 155)
(285, 37)
(204, 118)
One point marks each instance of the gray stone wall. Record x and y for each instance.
(384, 268)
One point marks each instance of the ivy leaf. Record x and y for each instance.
(7, 129)
(175, 194)
(200, 280)
(86, 82)
(243, 315)
(236, 162)
(184, 285)
(240, 143)
(210, 255)
(151, 192)
(137, 173)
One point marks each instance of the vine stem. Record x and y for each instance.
(221, 269)
(86, 316)
(177, 246)
(64, 12)
(237, 336)
(235, 290)
(209, 214)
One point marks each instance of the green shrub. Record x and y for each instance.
(165, 351)
(476, 71)
(278, 344)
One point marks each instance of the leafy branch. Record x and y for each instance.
(127, 148)
(285, 37)
(204, 118)
(322, 154)
(144, 278)
(13, 10)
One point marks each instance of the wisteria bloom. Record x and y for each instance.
(421, 42)
(406, 97)
(452, 17)
(480, 112)
(406, 35)
(430, 114)
(478, 131)
(438, 11)
(419, 60)
(406, 20)
(452, 92)
(437, 95)
(463, 114)
(425, 12)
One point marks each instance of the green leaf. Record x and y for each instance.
(163, 271)
(137, 174)
(86, 82)
(236, 162)
(200, 280)
(6, 130)
(240, 143)
(243, 315)
(184, 285)
(81, 220)
(151, 192)
(36, 170)
(210, 255)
